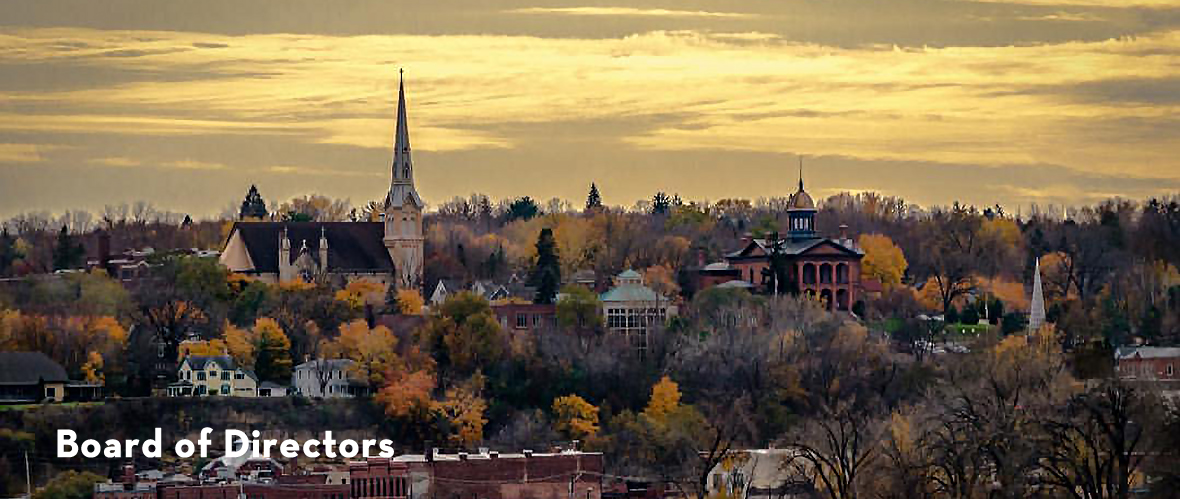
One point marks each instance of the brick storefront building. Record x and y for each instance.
(526, 475)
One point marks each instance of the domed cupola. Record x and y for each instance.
(801, 212)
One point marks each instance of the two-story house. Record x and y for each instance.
(209, 375)
(326, 378)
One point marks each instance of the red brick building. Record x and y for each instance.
(828, 269)
(379, 478)
(1148, 363)
(526, 475)
(526, 317)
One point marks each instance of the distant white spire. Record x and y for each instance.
(1036, 313)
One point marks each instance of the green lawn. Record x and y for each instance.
(23, 407)
(966, 329)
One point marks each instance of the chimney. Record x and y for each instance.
(528, 453)
(843, 232)
(494, 455)
(462, 456)
(128, 473)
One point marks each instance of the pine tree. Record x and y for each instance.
(594, 200)
(660, 203)
(7, 251)
(547, 272)
(253, 206)
(66, 254)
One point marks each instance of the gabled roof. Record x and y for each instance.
(329, 364)
(1148, 352)
(791, 247)
(631, 293)
(200, 362)
(20, 368)
(352, 246)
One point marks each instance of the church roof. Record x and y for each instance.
(352, 246)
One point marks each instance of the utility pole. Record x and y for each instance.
(28, 480)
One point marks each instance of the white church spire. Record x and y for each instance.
(1036, 313)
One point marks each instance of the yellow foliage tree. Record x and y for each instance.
(407, 395)
(358, 293)
(883, 260)
(211, 347)
(372, 350)
(92, 369)
(241, 344)
(463, 412)
(662, 279)
(575, 417)
(665, 398)
(410, 301)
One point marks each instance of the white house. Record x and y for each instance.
(326, 378)
(210, 375)
(760, 473)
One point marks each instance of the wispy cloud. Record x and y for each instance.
(629, 12)
(192, 164)
(22, 153)
(117, 161)
(1152, 4)
(680, 91)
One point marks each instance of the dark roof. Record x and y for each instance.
(352, 246)
(198, 362)
(20, 368)
(790, 247)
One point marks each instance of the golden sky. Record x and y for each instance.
(185, 104)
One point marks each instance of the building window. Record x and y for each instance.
(201, 376)
(241, 376)
(522, 321)
(842, 273)
(808, 273)
(225, 389)
(825, 274)
(225, 375)
(1170, 371)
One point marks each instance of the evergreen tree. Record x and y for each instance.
(273, 362)
(660, 203)
(7, 251)
(594, 200)
(253, 206)
(547, 272)
(66, 254)
(392, 303)
(523, 209)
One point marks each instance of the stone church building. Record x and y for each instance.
(386, 251)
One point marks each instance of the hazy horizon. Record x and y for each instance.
(185, 105)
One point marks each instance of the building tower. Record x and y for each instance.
(403, 208)
(801, 212)
(1036, 312)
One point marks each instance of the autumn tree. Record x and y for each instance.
(273, 360)
(460, 413)
(575, 417)
(577, 310)
(462, 335)
(883, 260)
(372, 350)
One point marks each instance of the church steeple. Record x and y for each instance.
(401, 189)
